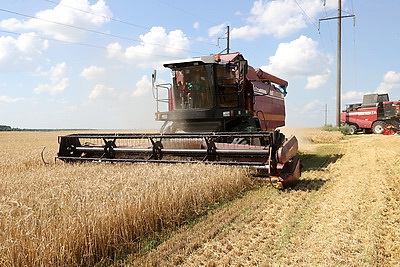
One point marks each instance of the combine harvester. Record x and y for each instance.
(220, 111)
(375, 114)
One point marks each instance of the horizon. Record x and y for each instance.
(76, 64)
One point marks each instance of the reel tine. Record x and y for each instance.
(42, 155)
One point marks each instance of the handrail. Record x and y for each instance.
(156, 89)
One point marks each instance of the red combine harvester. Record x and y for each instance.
(373, 115)
(220, 110)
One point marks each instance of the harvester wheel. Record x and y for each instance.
(352, 129)
(378, 127)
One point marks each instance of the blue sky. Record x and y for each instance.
(87, 64)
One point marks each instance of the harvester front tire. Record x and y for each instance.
(378, 127)
(352, 129)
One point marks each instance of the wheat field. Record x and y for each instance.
(83, 214)
(344, 211)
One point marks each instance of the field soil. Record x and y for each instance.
(345, 211)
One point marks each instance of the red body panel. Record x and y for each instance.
(363, 117)
(229, 57)
(267, 101)
(270, 111)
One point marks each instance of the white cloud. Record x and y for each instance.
(52, 88)
(280, 18)
(30, 44)
(246, 32)
(21, 53)
(57, 72)
(142, 87)
(101, 91)
(7, 99)
(217, 30)
(312, 108)
(353, 96)
(58, 83)
(300, 58)
(156, 46)
(82, 15)
(93, 73)
(391, 80)
(114, 50)
(316, 81)
(196, 25)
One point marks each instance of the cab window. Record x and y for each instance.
(192, 88)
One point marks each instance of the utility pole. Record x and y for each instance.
(339, 64)
(339, 59)
(227, 39)
(326, 115)
(227, 49)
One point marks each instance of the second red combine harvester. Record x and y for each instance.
(373, 115)
(218, 110)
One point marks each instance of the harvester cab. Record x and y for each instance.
(220, 93)
(216, 110)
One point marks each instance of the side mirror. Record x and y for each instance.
(154, 77)
(153, 82)
(243, 66)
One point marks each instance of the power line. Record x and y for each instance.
(187, 12)
(116, 20)
(355, 50)
(80, 44)
(355, 60)
(352, 7)
(97, 32)
(312, 22)
(329, 27)
(99, 15)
